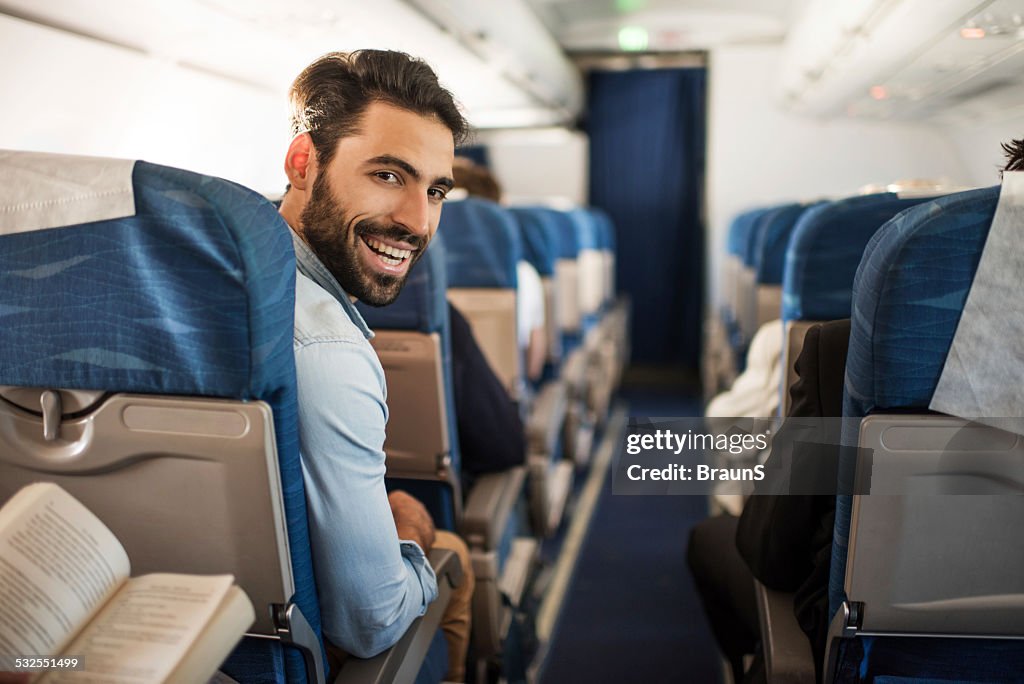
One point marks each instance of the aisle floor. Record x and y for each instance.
(631, 613)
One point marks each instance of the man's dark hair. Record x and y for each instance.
(1014, 155)
(329, 97)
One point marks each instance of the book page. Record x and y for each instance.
(145, 629)
(58, 565)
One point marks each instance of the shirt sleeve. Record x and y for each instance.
(371, 584)
(531, 301)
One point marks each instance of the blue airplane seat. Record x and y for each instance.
(821, 259)
(482, 243)
(568, 249)
(744, 293)
(191, 295)
(908, 295)
(539, 231)
(772, 238)
(484, 246)
(606, 243)
(591, 270)
(825, 248)
(177, 299)
(735, 247)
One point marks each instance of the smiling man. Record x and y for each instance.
(368, 168)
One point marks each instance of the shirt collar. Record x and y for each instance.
(310, 266)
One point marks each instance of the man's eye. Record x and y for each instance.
(438, 193)
(387, 176)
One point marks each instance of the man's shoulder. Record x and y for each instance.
(320, 318)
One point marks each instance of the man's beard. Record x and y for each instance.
(335, 240)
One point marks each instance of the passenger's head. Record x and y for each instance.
(1014, 155)
(476, 180)
(369, 165)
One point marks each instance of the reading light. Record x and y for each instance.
(972, 32)
(879, 92)
(633, 38)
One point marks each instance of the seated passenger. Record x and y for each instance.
(368, 169)
(786, 540)
(483, 407)
(755, 393)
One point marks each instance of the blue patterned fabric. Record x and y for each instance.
(908, 294)
(422, 306)
(539, 231)
(739, 232)
(757, 223)
(568, 238)
(586, 229)
(772, 237)
(192, 296)
(482, 243)
(824, 250)
(605, 228)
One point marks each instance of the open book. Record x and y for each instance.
(65, 593)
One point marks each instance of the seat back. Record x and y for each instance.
(606, 245)
(735, 248)
(590, 265)
(920, 562)
(412, 340)
(821, 259)
(483, 246)
(538, 229)
(146, 364)
(773, 232)
(746, 282)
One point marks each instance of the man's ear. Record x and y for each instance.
(300, 162)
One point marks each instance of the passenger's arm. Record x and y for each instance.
(371, 585)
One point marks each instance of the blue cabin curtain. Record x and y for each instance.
(647, 147)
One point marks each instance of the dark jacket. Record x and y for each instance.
(787, 540)
(490, 430)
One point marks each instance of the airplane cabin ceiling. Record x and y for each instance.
(667, 25)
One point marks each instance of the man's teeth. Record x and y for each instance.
(397, 255)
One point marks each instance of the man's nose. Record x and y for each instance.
(414, 213)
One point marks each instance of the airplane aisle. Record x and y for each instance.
(631, 613)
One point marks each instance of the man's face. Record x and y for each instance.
(374, 209)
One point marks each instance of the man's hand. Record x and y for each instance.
(412, 520)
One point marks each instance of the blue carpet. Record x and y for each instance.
(632, 612)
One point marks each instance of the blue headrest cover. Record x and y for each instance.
(482, 244)
(586, 229)
(750, 248)
(605, 229)
(909, 293)
(825, 249)
(772, 238)
(539, 231)
(568, 238)
(739, 231)
(193, 295)
(421, 305)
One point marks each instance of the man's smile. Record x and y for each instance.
(386, 255)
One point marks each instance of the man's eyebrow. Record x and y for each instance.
(410, 169)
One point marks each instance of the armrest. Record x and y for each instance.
(401, 663)
(544, 426)
(490, 504)
(787, 651)
(574, 371)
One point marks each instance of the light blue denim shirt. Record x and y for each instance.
(371, 584)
